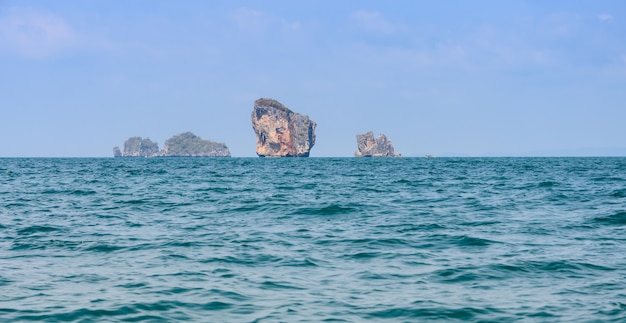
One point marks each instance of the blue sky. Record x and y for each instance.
(448, 78)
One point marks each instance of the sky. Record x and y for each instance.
(447, 78)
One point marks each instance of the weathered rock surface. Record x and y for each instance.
(368, 146)
(281, 132)
(182, 145)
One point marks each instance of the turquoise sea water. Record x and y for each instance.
(313, 239)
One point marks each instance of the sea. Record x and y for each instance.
(313, 239)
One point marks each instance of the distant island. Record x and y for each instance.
(185, 144)
(281, 132)
(368, 146)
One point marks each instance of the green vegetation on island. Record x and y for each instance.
(190, 145)
(185, 144)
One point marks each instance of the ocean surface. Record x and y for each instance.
(313, 239)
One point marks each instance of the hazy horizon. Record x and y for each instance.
(465, 79)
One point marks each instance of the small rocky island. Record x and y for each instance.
(281, 132)
(368, 146)
(185, 144)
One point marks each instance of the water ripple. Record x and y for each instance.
(318, 239)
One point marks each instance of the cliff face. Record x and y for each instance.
(182, 145)
(368, 146)
(281, 132)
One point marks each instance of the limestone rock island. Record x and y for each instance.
(137, 147)
(182, 145)
(189, 145)
(368, 146)
(281, 132)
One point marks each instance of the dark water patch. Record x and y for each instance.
(83, 192)
(86, 278)
(38, 229)
(133, 285)
(146, 318)
(216, 306)
(229, 295)
(389, 242)
(561, 267)
(145, 171)
(467, 241)
(332, 209)
(438, 313)
(618, 218)
(384, 276)
(464, 275)
(608, 179)
(428, 227)
(77, 192)
(19, 245)
(102, 247)
(547, 184)
(616, 311)
(245, 260)
(619, 193)
(5, 281)
(486, 223)
(83, 314)
(299, 263)
(367, 255)
(279, 285)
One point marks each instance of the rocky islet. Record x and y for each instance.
(279, 131)
(185, 144)
(368, 146)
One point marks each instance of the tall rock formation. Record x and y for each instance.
(281, 132)
(368, 146)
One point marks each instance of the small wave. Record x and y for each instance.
(618, 218)
(421, 228)
(133, 201)
(279, 285)
(246, 260)
(441, 313)
(619, 193)
(35, 229)
(368, 255)
(547, 184)
(103, 247)
(464, 274)
(4, 281)
(468, 241)
(560, 266)
(229, 294)
(300, 263)
(333, 209)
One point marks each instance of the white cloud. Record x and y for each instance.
(605, 18)
(35, 34)
(372, 21)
